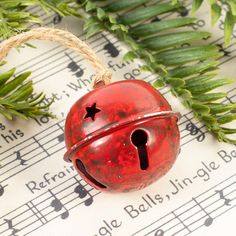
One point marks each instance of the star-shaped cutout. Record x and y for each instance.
(91, 112)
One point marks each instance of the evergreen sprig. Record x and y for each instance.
(216, 12)
(16, 97)
(15, 17)
(189, 70)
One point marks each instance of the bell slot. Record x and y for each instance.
(139, 139)
(82, 168)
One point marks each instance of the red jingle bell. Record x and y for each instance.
(122, 136)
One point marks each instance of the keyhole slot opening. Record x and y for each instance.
(82, 168)
(139, 139)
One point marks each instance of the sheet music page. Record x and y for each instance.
(43, 195)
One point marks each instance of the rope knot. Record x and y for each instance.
(102, 78)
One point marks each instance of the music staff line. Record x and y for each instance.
(54, 67)
(41, 134)
(42, 194)
(55, 50)
(38, 148)
(188, 5)
(174, 219)
(220, 41)
(59, 126)
(38, 141)
(39, 77)
(190, 124)
(231, 98)
(228, 51)
(49, 206)
(44, 218)
(37, 10)
(47, 19)
(207, 222)
(50, 141)
(55, 55)
(43, 209)
(229, 59)
(152, 3)
(105, 36)
(194, 129)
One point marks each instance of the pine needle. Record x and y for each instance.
(16, 97)
(15, 17)
(217, 11)
(189, 71)
(16, 93)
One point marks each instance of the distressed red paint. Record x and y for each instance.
(104, 145)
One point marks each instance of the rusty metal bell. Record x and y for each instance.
(122, 136)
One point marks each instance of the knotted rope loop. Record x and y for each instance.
(68, 40)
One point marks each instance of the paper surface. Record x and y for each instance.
(43, 195)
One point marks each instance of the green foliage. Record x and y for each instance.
(16, 97)
(14, 17)
(216, 12)
(189, 70)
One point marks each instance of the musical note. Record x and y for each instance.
(222, 49)
(1, 190)
(194, 130)
(159, 232)
(19, 158)
(183, 11)
(110, 48)
(222, 196)
(10, 226)
(65, 215)
(89, 201)
(82, 193)
(57, 19)
(209, 220)
(58, 206)
(61, 138)
(74, 67)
